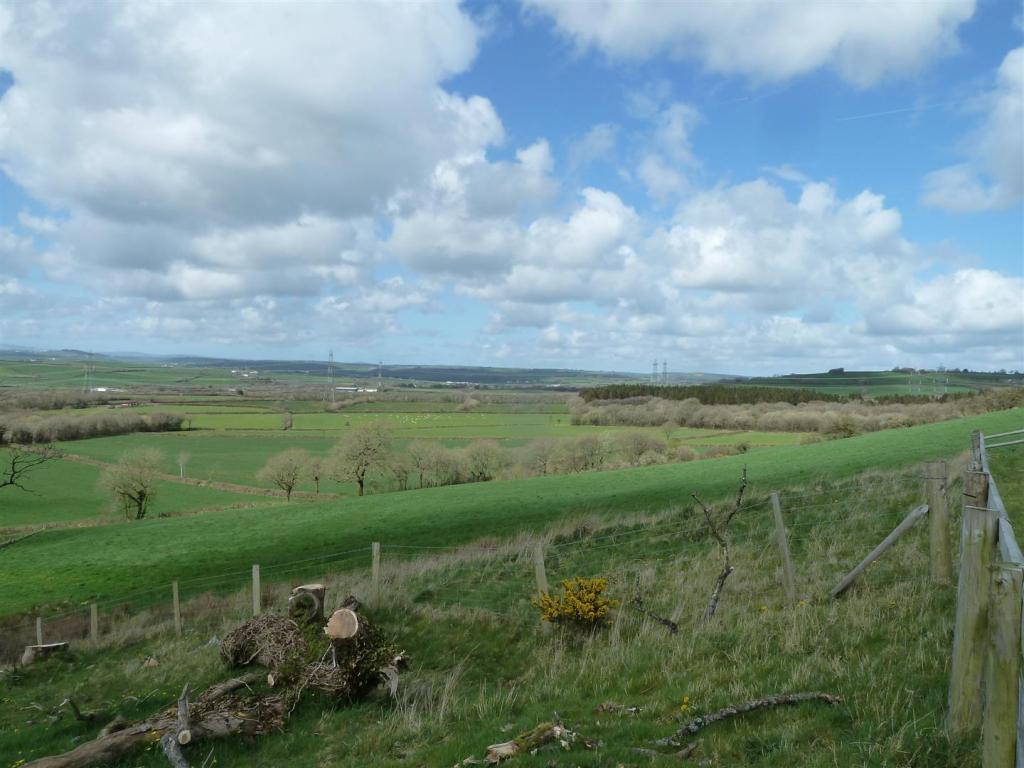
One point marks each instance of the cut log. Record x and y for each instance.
(184, 734)
(306, 603)
(343, 624)
(34, 653)
(172, 751)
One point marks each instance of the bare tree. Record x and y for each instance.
(286, 420)
(315, 471)
(363, 448)
(183, 459)
(132, 481)
(483, 460)
(285, 470)
(19, 462)
(719, 527)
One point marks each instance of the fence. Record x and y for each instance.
(502, 577)
(986, 688)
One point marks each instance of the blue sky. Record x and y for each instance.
(752, 188)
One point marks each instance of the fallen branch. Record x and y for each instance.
(699, 723)
(638, 605)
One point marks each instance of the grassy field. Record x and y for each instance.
(66, 491)
(113, 561)
(482, 672)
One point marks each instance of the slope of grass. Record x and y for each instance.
(115, 560)
(482, 671)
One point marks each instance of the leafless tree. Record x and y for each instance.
(362, 449)
(132, 481)
(19, 462)
(286, 421)
(285, 470)
(719, 527)
(183, 459)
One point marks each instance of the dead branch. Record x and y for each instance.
(720, 532)
(172, 751)
(699, 723)
(184, 734)
(638, 605)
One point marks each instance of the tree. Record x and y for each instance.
(315, 470)
(286, 421)
(483, 460)
(20, 462)
(183, 459)
(285, 469)
(363, 448)
(132, 481)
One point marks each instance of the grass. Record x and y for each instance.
(482, 672)
(66, 491)
(112, 561)
(1007, 467)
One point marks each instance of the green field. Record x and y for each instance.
(482, 672)
(114, 560)
(66, 491)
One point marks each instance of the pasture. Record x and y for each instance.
(115, 560)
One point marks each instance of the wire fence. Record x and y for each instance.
(500, 576)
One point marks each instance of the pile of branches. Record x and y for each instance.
(342, 661)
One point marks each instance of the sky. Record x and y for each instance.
(739, 187)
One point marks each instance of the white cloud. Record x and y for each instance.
(993, 176)
(770, 41)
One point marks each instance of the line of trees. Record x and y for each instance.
(709, 394)
(27, 429)
(834, 419)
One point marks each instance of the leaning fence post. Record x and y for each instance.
(939, 546)
(977, 544)
(94, 622)
(39, 630)
(1002, 673)
(780, 536)
(177, 609)
(255, 590)
(375, 574)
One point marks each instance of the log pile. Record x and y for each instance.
(343, 659)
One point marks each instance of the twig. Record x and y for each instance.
(699, 723)
(638, 604)
(721, 535)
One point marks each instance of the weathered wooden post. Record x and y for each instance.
(375, 574)
(177, 608)
(1003, 670)
(94, 622)
(39, 630)
(256, 590)
(540, 573)
(977, 546)
(939, 545)
(788, 577)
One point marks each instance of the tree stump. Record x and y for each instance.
(343, 625)
(34, 653)
(306, 604)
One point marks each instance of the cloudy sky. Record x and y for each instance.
(745, 187)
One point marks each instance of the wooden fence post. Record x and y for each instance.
(375, 574)
(177, 609)
(788, 577)
(94, 622)
(977, 545)
(39, 630)
(939, 545)
(1003, 670)
(916, 514)
(539, 571)
(256, 590)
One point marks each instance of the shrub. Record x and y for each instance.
(582, 604)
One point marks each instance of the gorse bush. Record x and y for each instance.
(581, 605)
